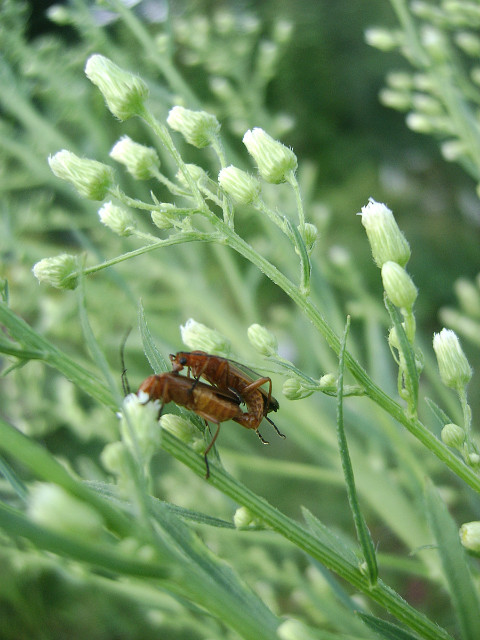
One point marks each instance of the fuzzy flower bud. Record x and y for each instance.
(274, 160)
(199, 128)
(294, 390)
(241, 186)
(470, 536)
(398, 285)
(141, 161)
(311, 234)
(386, 240)
(197, 336)
(59, 272)
(383, 39)
(453, 435)
(117, 219)
(90, 178)
(124, 92)
(161, 219)
(141, 416)
(182, 429)
(243, 518)
(262, 340)
(54, 508)
(455, 371)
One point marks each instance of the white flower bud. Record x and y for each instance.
(241, 186)
(274, 160)
(199, 128)
(243, 518)
(141, 162)
(398, 285)
(263, 341)
(453, 435)
(52, 507)
(59, 272)
(294, 390)
(197, 336)
(90, 178)
(117, 219)
(470, 536)
(455, 371)
(142, 417)
(386, 240)
(161, 219)
(123, 91)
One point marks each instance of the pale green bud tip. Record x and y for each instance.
(262, 340)
(123, 91)
(455, 371)
(52, 507)
(161, 219)
(114, 458)
(116, 219)
(199, 128)
(243, 517)
(59, 271)
(382, 39)
(274, 160)
(197, 336)
(470, 536)
(241, 186)
(386, 240)
(179, 427)
(90, 178)
(292, 629)
(293, 389)
(398, 285)
(310, 235)
(141, 162)
(453, 435)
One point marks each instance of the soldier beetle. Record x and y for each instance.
(207, 402)
(229, 378)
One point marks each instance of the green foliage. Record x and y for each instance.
(115, 519)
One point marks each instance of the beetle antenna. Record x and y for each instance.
(125, 385)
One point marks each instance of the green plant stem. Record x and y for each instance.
(291, 530)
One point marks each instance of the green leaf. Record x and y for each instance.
(363, 534)
(455, 564)
(386, 630)
(154, 357)
(439, 413)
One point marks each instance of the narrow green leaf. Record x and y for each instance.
(386, 630)
(327, 537)
(439, 413)
(305, 265)
(12, 477)
(154, 357)
(455, 564)
(363, 534)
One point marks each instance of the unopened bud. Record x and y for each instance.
(453, 435)
(263, 341)
(59, 272)
(274, 160)
(197, 174)
(90, 178)
(386, 240)
(197, 336)
(470, 536)
(141, 162)
(123, 91)
(117, 219)
(294, 390)
(455, 371)
(398, 285)
(199, 128)
(239, 185)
